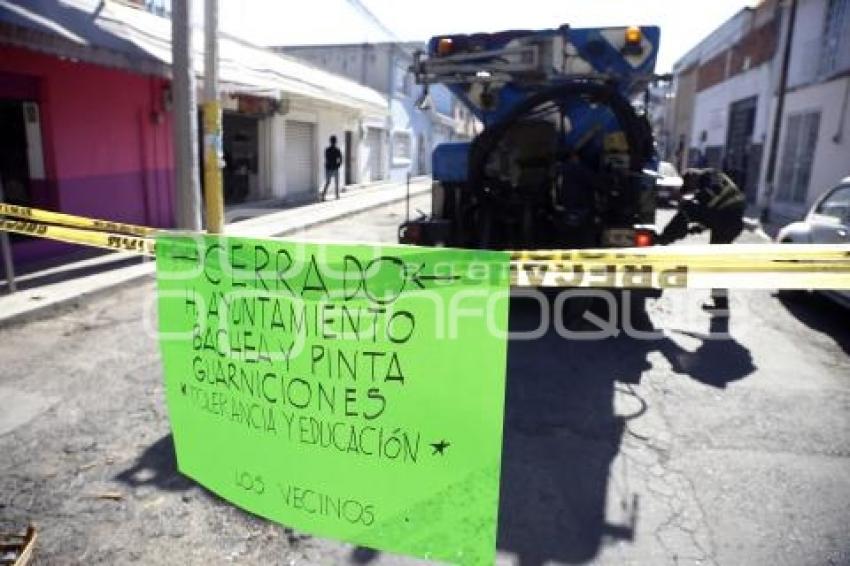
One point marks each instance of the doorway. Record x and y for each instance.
(14, 161)
(421, 156)
(300, 160)
(240, 135)
(349, 160)
(738, 161)
(374, 148)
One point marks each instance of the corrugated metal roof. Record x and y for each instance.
(314, 22)
(142, 38)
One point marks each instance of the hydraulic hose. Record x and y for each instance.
(635, 128)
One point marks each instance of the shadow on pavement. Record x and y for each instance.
(560, 437)
(718, 361)
(363, 555)
(27, 280)
(820, 314)
(561, 434)
(157, 466)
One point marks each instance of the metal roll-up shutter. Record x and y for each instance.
(300, 158)
(374, 141)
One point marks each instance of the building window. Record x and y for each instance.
(403, 82)
(401, 146)
(837, 205)
(158, 7)
(836, 26)
(801, 137)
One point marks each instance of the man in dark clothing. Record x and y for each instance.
(716, 204)
(333, 159)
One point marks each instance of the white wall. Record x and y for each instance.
(328, 121)
(711, 107)
(270, 179)
(363, 169)
(805, 51)
(275, 154)
(366, 64)
(382, 67)
(832, 153)
(727, 34)
(335, 123)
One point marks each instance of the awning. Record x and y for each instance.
(115, 34)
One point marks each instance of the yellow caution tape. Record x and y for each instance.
(741, 266)
(734, 266)
(39, 215)
(115, 242)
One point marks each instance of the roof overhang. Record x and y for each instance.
(128, 38)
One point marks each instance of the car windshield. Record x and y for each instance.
(667, 169)
(837, 204)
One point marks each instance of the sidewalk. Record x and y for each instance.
(768, 230)
(111, 270)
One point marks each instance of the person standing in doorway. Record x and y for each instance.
(333, 160)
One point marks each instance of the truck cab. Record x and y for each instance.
(564, 157)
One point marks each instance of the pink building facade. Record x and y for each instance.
(83, 139)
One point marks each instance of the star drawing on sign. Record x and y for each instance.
(439, 447)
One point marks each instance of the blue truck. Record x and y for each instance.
(565, 155)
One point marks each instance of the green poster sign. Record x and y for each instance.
(350, 391)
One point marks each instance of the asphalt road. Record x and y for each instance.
(678, 449)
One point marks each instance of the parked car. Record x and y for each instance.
(828, 222)
(668, 183)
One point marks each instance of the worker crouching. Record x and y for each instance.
(712, 201)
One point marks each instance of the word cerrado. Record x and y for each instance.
(380, 280)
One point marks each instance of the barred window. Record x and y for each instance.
(158, 7)
(403, 80)
(801, 137)
(401, 145)
(835, 50)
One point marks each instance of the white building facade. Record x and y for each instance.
(728, 115)
(292, 144)
(402, 144)
(724, 87)
(278, 112)
(814, 143)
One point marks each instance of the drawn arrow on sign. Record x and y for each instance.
(418, 278)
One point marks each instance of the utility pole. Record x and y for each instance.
(6, 251)
(770, 174)
(186, 185)
(212, 123)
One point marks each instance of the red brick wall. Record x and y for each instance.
(758, 45)
(712, 71)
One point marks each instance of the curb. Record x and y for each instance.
(40, 311)
(754, 225)
(345, 214)
(125, 276)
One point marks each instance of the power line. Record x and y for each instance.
(358, 5)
